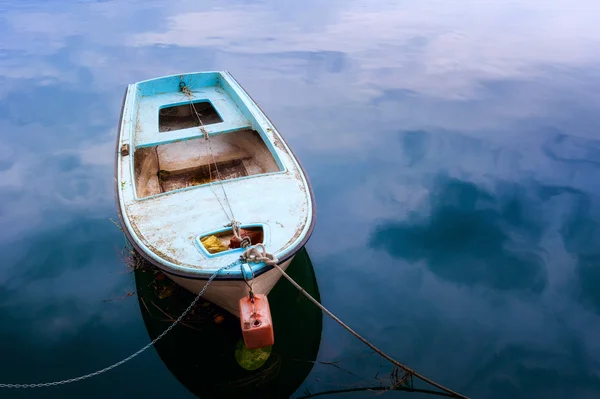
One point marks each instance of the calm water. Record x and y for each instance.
(454, 151)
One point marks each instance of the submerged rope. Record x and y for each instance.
(254, 255)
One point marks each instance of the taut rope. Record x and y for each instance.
(254, 255)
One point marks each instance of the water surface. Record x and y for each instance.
(454, 151)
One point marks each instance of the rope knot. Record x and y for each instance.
(259, 253)
(245, 242)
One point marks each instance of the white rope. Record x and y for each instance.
(235, 225)
(235, 228)
(185, 90)
(253, 254)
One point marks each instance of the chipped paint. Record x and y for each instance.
(277, 143)
(297, 234)
(164, 226)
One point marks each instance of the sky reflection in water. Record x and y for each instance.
(453, 149)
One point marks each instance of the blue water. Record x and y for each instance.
(454, 152)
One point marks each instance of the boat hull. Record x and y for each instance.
(227, 293)
(224, 293)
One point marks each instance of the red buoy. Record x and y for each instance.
(255, 318)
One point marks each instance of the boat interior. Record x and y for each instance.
(172, 166)
(195, 141)
(224, 240)
(183, 117)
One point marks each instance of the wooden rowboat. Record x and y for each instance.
(199, 168)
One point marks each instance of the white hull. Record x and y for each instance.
(227, 293)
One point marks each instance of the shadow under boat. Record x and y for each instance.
(206, 353)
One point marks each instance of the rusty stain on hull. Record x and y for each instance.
(277, 143)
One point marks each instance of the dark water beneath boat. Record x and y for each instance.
(454, 151)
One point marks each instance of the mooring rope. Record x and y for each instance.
(154, 341)
(254, 255)
(235, 225)
(188, 93)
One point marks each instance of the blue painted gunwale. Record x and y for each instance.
(258, 121)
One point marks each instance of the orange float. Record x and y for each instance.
(255, 318)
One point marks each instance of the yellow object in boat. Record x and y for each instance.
(213, 244)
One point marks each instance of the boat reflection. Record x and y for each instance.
(205, 352)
